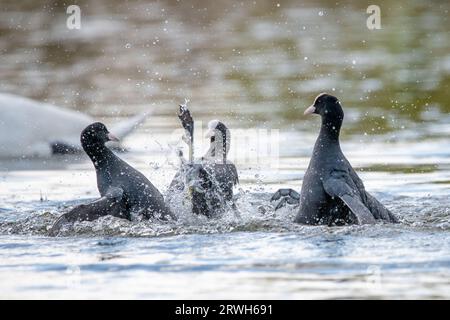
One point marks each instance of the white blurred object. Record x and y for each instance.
(30, 128)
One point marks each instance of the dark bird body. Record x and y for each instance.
(332, 192)
(122, 188)
(211, 179)
(139, 194)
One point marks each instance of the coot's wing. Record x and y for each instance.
(380, 211)
(222, 173)
(232, 173)
(188, 125)
(186, 120)
(337, 185)
(227, 177)
(109, 204)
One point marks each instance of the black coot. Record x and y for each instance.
(210, 179)
(332, 192)
(123, 189)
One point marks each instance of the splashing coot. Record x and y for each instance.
(123, 189)
(332, 192)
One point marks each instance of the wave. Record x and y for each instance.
(255, 214)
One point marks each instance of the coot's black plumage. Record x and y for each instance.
(223, 170)
(123, 189)
(212, 177)
(332, 192)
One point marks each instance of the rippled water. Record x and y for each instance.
(255, 66)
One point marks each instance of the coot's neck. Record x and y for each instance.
(217, 150)
(331, 127)
(329, 134)
(99, 154)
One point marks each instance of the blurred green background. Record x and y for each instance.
(260, 61)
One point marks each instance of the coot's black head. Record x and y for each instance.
(219, 136)
(327, 106)
(96, 134)
(217, 130)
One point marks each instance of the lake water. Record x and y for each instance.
(256, 66)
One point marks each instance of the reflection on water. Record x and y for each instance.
(253, 64)
(324, 264)
(226, 55)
